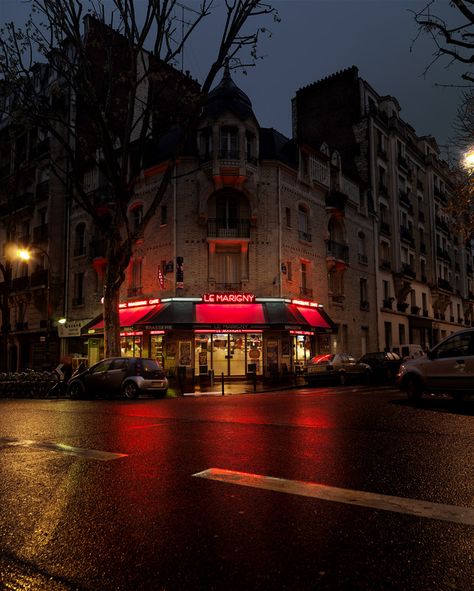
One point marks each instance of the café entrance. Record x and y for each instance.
(232, 354)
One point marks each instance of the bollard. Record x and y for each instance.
(222, 380)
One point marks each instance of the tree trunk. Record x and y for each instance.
(111, 321)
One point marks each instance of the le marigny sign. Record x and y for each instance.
(228, 298)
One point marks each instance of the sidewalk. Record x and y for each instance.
(244, 387)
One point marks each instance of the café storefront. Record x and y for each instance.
(231, 334)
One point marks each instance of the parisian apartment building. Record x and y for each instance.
(264, 252)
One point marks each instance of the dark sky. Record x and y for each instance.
(318, 37)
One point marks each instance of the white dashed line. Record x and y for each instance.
(91, 454)
(452, 513)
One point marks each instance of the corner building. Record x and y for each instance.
(424, 273)
(243, 268)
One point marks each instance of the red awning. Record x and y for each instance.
(129, 316)
(312, 316)
(230, 314)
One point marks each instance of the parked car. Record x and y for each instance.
(384, 365)
(126, 376)
(338, 367)
(448, 368)
(409, 351)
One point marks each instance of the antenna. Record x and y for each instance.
(184, 22)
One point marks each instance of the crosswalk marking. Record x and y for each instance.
(91, 454)
(451, 513)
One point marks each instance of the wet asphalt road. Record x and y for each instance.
(72, 517)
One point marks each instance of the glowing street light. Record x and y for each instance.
(468, 160)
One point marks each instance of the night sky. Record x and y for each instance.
(316, 38)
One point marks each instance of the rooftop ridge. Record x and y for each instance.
(352, 71)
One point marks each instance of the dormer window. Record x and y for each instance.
(229, 143)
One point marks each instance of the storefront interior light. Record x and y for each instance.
(62, 321)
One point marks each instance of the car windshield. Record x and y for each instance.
(322, 359)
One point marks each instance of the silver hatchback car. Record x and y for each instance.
(447, 369)
(126, 376)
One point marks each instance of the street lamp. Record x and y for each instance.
(25, 255)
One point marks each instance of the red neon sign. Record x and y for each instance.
(228, 298)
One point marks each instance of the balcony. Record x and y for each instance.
(421, 216)
(387, 303)
(222, 228)
(306, 292)
(39, 278)
(229, 155)
(40, 234)
(405, 200)
(304, 236)
(385, 228)
(441, 224)
(425, 313)
(422, 247)
(402, 162)
(408, 271)
(363, 259)
(443, 284)
(415, 310)
(336, 200)
(443, 254)
(402, 306)
(21, 283)
(337, 251)
(406, 235)
(386, 264)
(364, 306)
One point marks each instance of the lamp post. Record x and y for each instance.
(25, 255)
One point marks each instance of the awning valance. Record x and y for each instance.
(225, 317)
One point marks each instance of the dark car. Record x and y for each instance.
(125, 376)
(338, 367)
(384, 365)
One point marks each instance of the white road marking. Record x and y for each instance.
(452, 513)
(91, 454)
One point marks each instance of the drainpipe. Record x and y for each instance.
(175, 225)
(279, 232)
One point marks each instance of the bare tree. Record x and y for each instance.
(114, 89)
(453, 38)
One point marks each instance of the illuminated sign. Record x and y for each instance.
(228, 298)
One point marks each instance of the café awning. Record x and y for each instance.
(128, 317)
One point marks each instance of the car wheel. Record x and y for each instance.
(342, 379)
(130, 390)
(413, 388)
(160, 393)
(75, 390)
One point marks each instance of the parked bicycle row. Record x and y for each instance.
(30, 384)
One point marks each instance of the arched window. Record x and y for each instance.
(229, 143)
(80, 240)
